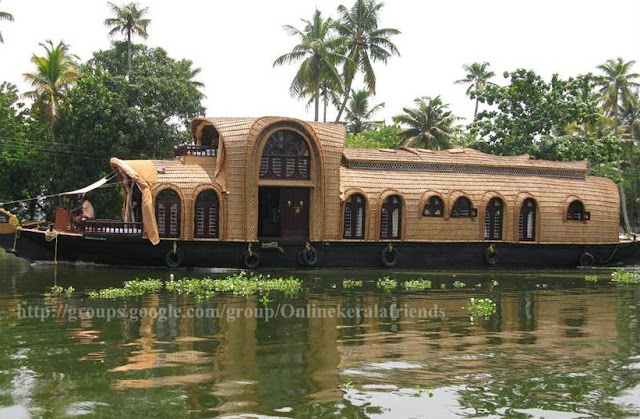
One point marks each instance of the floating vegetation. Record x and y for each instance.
(591, 278)
(417, 284)
(205, 288)
(544, 286)
(494, 283)
(387, 284)
(351, 283)
(443, 286)
(459, 284)
(624, 277)
(421, 390)
(237, 284)
(58, 291)
(481, 307)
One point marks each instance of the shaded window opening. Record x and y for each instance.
(354, 217)
(206, 223)
(493, 219)
(576, 212)
(463, 208)
(285, 156)
(391, 218)
(434, 207)
(527, 221)
(168, 213)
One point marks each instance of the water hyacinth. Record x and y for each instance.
(481, 307)
(387, 284)
(417, 284)
(204, 288)
(624, 277)
(351, 283)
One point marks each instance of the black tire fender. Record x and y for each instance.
(491, 256)
(250, 260)
(586, 259)
(174, 258)
(389, 257)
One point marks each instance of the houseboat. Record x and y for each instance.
(280, 192)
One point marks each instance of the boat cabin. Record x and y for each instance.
(275, 179)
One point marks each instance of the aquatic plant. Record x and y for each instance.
(621, 276)
(417, 284)
(351, 283)
(238, 284)
(387, 284)
(58, 291)
(443, 286)
(493, 283)
(421, 390)
(133, 288)
(481, 307)
(459, 284)
(591, 278)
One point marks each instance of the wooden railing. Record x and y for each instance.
(112, 227)
(194, 150)
(284, 167)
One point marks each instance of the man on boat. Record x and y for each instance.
(84, 212)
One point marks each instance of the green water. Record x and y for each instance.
(558, 346)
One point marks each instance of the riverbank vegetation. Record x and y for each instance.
(135, 102)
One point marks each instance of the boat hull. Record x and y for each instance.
(136, 251)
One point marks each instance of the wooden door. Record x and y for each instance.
(294, 210)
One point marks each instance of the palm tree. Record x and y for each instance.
(358, 114)
(429, 125)
(363, 43)
(55, 72)
(5, 16)
(617, 91)
(128, 20)
(477, 78)
(330, 92)
(617, 94)
(318, 55)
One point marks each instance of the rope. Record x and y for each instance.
(250, 249)
(16, 237)
(175, 247)
(106, 185)
(49, 236)
(615, 249)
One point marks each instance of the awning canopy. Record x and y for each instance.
(86, 189)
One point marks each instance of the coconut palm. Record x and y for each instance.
(477, 78)
(55, 72)
(330, 92)
(429, 124)
(318, 55)
(363, 43)
(617, 94)
(128, 20)
(358, 113)
(8, 17)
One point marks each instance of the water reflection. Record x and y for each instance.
(565, 350)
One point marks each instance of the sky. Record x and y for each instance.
(235, 42)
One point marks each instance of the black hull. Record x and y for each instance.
(135, 251)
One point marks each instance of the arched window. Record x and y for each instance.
(354, 217)
(168, 213)
(285, 156)
(493, 219)
(527, 221)
(434, 207)
(391, 218)
(576, 212)
(206, 215)
(463, 208)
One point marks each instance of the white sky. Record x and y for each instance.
(235, 42)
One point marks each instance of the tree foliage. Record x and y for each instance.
(429, 125)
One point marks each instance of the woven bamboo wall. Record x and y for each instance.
(599, 196)
(243, 139)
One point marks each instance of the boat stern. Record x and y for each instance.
(8, 227)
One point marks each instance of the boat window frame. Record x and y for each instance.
(177, 200)
(207, 215)
(455, 210)
(390, 208)
(353, 206)
(429, 205)
(579, 214)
